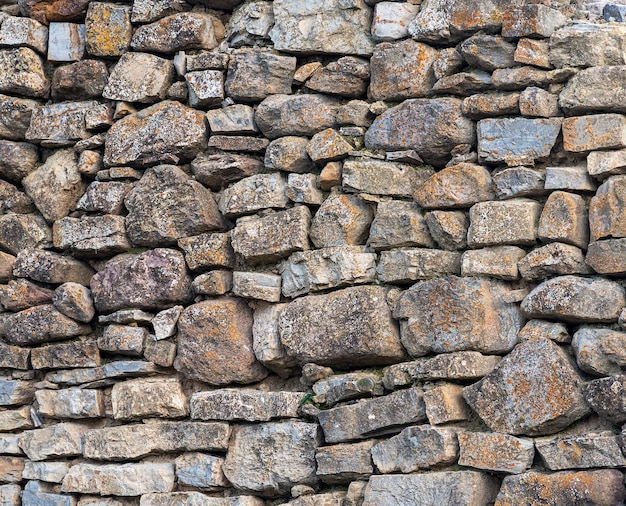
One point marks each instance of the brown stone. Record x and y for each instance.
(512, 222)
(564, 219)
(346, 77)
(91, 236)
(22, 294)
(597, 131)
(495, 452)
(41, 324)
(607, 256)
(81, 353)
(498, 262)
(215, 343)
(554, 259)
(49, 267)
(341, 220)
(82, 80)
(219, 169)
(344, 463)
(123, 340)
(491, 104)
(147, 398)
(533, 52)
(606, 209)
(22, 73)
(17, 159)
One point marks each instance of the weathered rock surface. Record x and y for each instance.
(143, 398)
(399, 223)
(81, 353)
(61, 440)
(254, 193)
(341, 220)
(91, 236)
(564, 219)
(596, 131)
(605, 209)
(23, 73)
(200, 470)
(579, 451)
(352, 327)
(510, 399)
(495, 452)
(41, 324)
(71, 403)
(512, 222)
(344, 463)
(599, 351)
(408, 265)
(573, 46)
(605, 396)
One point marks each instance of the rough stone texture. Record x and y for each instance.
(121, 480)
(165, 132)
(391, 20)
(51, 472)
(583, 45)
(341, 387)
(180, 31)
(244, 404)
(326, 26)
(602, 164)
(74, 301)
(143, 398)
(272, 237)
(384, 178)
(564, 219)
(82, 353)
(346, 77)
(49, 267)
(495, 452)
(368, 418)
(61, 440)
(257, 285)
(217, 170)
(288, 154)
(91, 236)
(41, 324)
(597, 131)
(555, 259)
(419, 124)
(71, 403)
(23, 73)
(398, 223)
(207, 251)
(345, 462)
(599, 351)
(575, 299)
(17, 159)
(408, 265)
(457, 314)
(511, 222)
(215, 343)
(341, 220)
(151, 280)
(605, 396)
(266, 343)
(107, 29)
(200, 470)
(467, 488)
(605, 209)
(252, 194)
(420, 447)
(444, 403)
(600, 449)
(251, 464)
(131, 442)
(534, 390)
(500, 262)
(125, 340)
(488, 52)
(352, 327)
(61, 124)
(531, 21)
(601, 487)
(577, 98)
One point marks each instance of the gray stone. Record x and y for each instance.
(289, 154)
(596, 131)
(23, 73)
(272, 237)
(49, 267)
(112, 370)
(391, 20)
(533, 52)
(554, 259)
(22, 31)
(50, 472)
(495, 452)
(257, 285)
(254, 193)
(61, 440)
(465, 488)
(139, 77)
(402, 70)
(299, 115)
(180, 31)
(352, 327)
(11, 495)
(419, 124)
(146, 11)
(244, 404)
(538, 102)
(448, 228)
(250, 23)
(518, 78)
(15, 419)
(500, 262)
(601, 164)
(70, 403)
(408, 265)
(445, 403)
(331, 27)
(234, 119)
(61, 124)
(104, 197)
(518, 182)
(165, 132)
(612, 12)
(162, 353)
(266, 340)
(344, 463)
(122, 480)
(536, 329)
(564, 219)
(369, 418)
(327, 146)
(588, 45)
(581, 451)
(601, 487)
(37, 493)
(164, 322)
(512, 222)
(254, 74)
(206, 88)
(488, 52)
(144, 398)
(130, 442)
(463, 83)
(398, 223)
(419, 447)
(9, 444)
(80, 353)
(384, 178)
(607, 256)
(303, 188)
(334, 267)
(576, 98)
(347, 77)
(341, 220)
(575, 299)
(17, 159)
(41, 324)
(215, 343)
(200, 470)
(599, 351)
(606, 209)
(66, 42)
(431, 311)
(186, 498)
(208, 250)
(509, 399)
(516, 141)
(247, 144)
(123, 340)
(15, 392)
(342, 387)
(270, 458)
(219, 169)
(531, 21)
(14, 122)
(91, 236)
(74, 300)
(606, 397)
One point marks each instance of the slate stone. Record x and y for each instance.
(41, 324)
(513, 398)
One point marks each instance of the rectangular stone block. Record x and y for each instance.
(71, 403)
(136, 441)
(91, 236)
(596, 131)
(573, 177)
(344, 463)
(495, 452)
(201, 470)
(10, 495)
(38, 493)
(445, 403)
(257, 285)
(15, 419)
(581, 451)
(384, 178)
(511, 222)
(9, 445)
(73, 354)
(601, 164)
(50, 472)
(343, 387)
(368, 418)
(187, 498)
(122, 339)
(408, 265)
(11, 469)
(244, 404)
(112, 370)
(497, 262)
(15, 392)
(61, 440)
(151, 397)
(66, 42)
(212, 250)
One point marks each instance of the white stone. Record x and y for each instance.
(391, 20)
(66, 42)
(206, 87)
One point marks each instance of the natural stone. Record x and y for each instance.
(74, 300)
(234, 119)
(512, 398)
(601, 164)
(431, 312)
(41, 324)
(408, 265)
(303, 28)
(607, 256)
(601, 487)
(469, 488)
(327, 146)
(418, 124)
(49, 267)
(11, 469)
(444, 403)
(326, 268)
(391, 20)
(209, 250)
(531, 21)
(341, 220)
(605, 209)
(488, 52)
(538, 102)
(554, 259)
(346, 77)
(22, 73)
(250, 23)
(581, 451)
(51, 472)
(288, 154)
(384, 178)
(200, 470)
(304, 188)
(402, 70)
(125, 340)
(398, 223)
(299, 115)
(11, 494)
(13, 357)
(512, 222)
(266, 340)
(107, 29)
(14, 121)
(66, 42)
(536, 329)
(17, 159)
(564, 219)
(533, 52)
(254, 193)
(244, 404)
(216, 282)
(448, 228)
(22, 31)
(22, 294)
(500, 262)
(15, 419)
(61, 440)
(81, 353)
(516, 141)
(342, 387)
(247, 144)
(91, 236)
(605, 396)
(121, 480)
(599, 351)
(218, 170)
(215, 343)
(419, 447)
(130, 442)
(206, 87)
(143, 398)
(344, 463)
(186, 497)
(575, 299)
(257, 285)
(368, 418)
(484, 105)
(15, 392)
(350, 326)
(461, 185)
(518, 182)
(587, 45)
(70, 403)
(596, 131)
(165, 132)
(463, 83)
(270, 458)
(151, 280)
(139, 77)
(495, 452)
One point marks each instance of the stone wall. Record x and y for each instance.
(312, 252)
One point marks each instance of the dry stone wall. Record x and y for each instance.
(312, 252)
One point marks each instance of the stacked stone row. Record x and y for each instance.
(311, 253)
